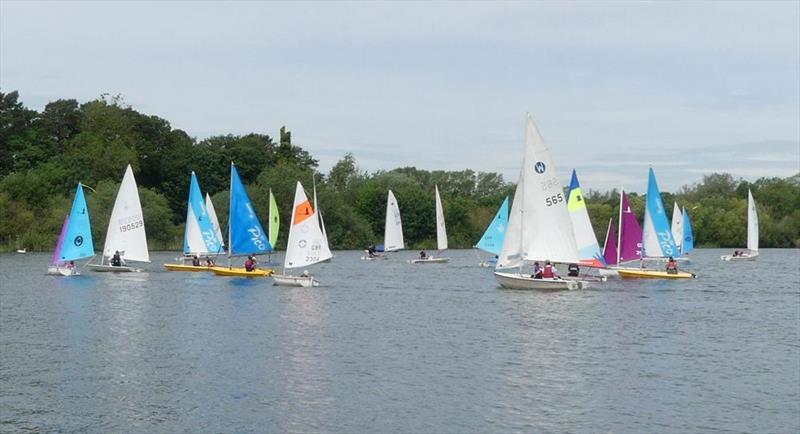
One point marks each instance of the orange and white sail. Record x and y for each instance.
(306, 244)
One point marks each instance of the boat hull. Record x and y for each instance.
(747, 257)
(519, 281)
(289, 280)
(638, 273)
(430, 260)
(374, 257)
(608, 272)
(181, 267)
(105, 268)
(55, 270)
(241, 272)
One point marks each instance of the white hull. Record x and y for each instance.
(375, 257)
(22, 251)
(749, 256)
(113, 269)
(289, 280)
(519, 281)
(430, 260)
(55, 270)
(608, 272)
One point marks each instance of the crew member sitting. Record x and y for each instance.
(195, 261)
(573, 270)
(549, 271)
(537, 271)
(371, 250)
(672, 266)
(250, 264)
(116, 260)
(422, 254)
(209, 262)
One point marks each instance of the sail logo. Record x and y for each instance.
(255, 236)
(665, 240)
(78, 241)
(539, 167)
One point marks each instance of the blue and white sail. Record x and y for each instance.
(199, 236)
(656, 234)
(688, 235)
(246, 236)
(492, 239)
(78, 243)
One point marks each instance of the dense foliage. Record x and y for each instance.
(43, 155)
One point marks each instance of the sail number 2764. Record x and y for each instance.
(554, 199)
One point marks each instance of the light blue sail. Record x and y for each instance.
(688, 234)
(492, 239)
(658, 241)
(78, 242)
(199, 235)
(245, 234)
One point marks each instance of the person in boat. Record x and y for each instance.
(735, 253)
(250, 264)
(573, 270)
(549, 271)
(116, 260)
(672, 266)
(195, 261)
(71, 265)
(209, 261)
(306, 274)
(371, 251)
(537, 271)
(422, 254)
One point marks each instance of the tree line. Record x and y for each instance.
(43, 155)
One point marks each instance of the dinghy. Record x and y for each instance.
(75, 241)
(125, 233)
(306, 243)
(492, 239)
(752, 233)
(246, 236)
(393, 231)
(628, 246)
(199, 236)
(633, 273)
(441, 236)
(539, 226)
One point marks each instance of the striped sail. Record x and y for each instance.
(656, 235)
(199, 236)
(588, 249)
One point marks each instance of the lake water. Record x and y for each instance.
(386, 346)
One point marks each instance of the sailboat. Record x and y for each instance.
(393, 231)
(682, 232)
(588, 250)
(539, 226)
(305, 244)
(199, 236)
(687, 244)
(492, 239)
(441, 236)
(752, 233)
(657, 241)
(125, 235)
(246, 237)
(75, 240)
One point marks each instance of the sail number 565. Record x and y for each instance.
(554, 199)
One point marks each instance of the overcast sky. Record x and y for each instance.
(687, 87)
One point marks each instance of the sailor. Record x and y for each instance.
(371, 250)
(250, 264)
(549, 271)
(116, 261)
(195, 261)
(573, 270)
(672, 266)
(537, 271)
(422, 254)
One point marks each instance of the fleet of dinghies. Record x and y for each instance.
(543, 226)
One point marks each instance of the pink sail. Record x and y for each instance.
(610, 249)
(57, 252)
(630, 233)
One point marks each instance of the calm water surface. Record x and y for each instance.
(388, 346)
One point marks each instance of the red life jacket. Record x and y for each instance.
(548, 272)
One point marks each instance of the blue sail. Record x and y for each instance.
(78, 242)
(657, 236)
(492, 239)
(245, 234)
(688, 234)
(199, 235)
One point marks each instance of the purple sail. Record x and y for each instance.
(57, 252)
(610, 249)
(630, 233)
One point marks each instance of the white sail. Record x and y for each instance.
(677, 225)
(194, 240)
(540, 205)
(393, 234)
(752, 223)
(214, 222)
(126, 232)
(305, 244)
(325, 249)
(441, 231)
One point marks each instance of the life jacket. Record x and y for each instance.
(547, 272)
(249, 265)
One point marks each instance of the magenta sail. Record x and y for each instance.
(630, 245)
(610, 249)
(57, 252)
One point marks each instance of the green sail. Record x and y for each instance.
(274, 220)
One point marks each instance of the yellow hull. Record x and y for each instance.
(180, 267)
(241, 272)
(634, 273)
